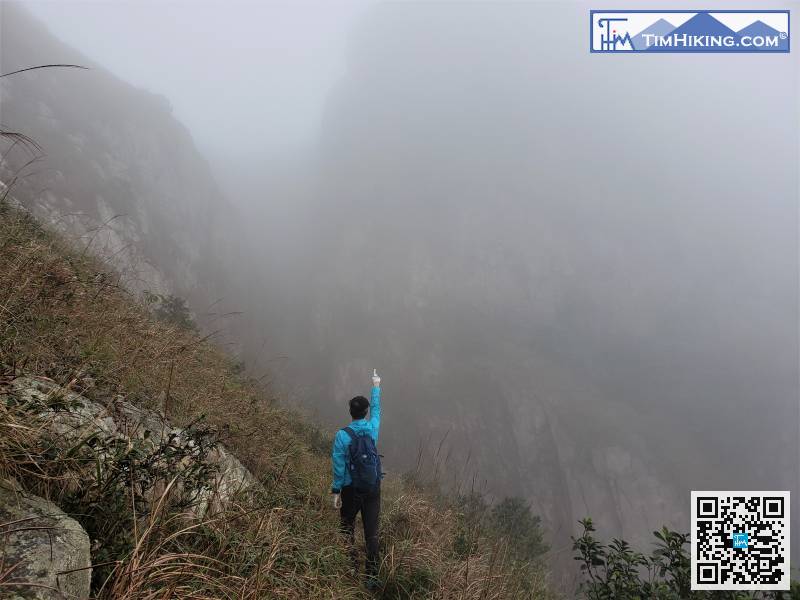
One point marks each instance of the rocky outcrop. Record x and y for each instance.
(230, 476)
(71, 417)
(46, 551)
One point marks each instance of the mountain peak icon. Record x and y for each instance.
(660, 28)
(759, 28)
(704, 24)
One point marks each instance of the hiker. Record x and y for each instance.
(357, 476)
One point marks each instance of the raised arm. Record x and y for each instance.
(375, 405)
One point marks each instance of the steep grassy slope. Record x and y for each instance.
(65, 317)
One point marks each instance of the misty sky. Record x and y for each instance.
(243, 76)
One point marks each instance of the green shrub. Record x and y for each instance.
(171, 309)
(617, 572)
(513, 520)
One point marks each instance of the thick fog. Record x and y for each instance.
(579, 270)
(250, 79)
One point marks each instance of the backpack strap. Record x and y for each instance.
(350, 432)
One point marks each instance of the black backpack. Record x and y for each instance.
(364, 462)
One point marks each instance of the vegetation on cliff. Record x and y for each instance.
(66, 319)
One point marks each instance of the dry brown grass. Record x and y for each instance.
(63, 316)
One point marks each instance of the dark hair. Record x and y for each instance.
(358, 407)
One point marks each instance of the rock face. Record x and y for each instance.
(72, 417)
(118, 172)
(48, 550)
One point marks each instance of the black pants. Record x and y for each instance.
(369, 504)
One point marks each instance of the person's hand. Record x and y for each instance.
(337, 501)
(376, 380)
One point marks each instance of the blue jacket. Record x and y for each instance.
(341, 476)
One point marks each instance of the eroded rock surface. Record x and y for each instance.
(72, 418)
(47, 550)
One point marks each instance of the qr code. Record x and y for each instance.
(740, 540)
